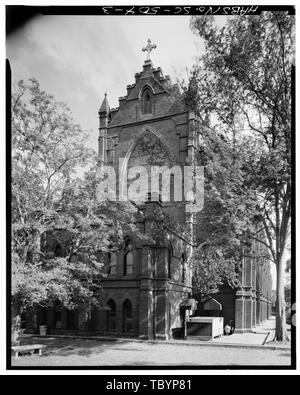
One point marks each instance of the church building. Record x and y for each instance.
(148, 290)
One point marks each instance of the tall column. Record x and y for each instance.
(102, 145)
(264, 294)
(239, 311)
(103, 112)
(253, 308)
(161, 295)
(146, 299)
(161, 319)
(261, 293)
(239, 301)
(258, 307)
(190, 216)
(248, 293)
(254, 265)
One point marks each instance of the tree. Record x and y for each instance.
(242, 86)
(60, 231)
(220, 242)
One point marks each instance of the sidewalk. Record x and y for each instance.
(261, 335)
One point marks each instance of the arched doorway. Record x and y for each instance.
(111, 316)
(127, 316)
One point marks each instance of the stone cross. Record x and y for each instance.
(149, 48)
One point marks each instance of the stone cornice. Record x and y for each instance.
(145, 121)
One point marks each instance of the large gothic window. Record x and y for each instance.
(149, 151)
(111, 316)
(128, 257)
(147, 101)
(127, 316)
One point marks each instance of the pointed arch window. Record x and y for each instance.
(127, 316)
(183, 262)
(128, 257)
(111, 316)
(112, 263)
(147, 101)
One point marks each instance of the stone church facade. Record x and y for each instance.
(148, 290)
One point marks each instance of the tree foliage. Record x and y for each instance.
(60, 231)
(241, 89)
(223, 225)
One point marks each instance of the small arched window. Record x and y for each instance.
(128, 257)
(111, 315)
(147, 101)
(127, 316)
(183, 262)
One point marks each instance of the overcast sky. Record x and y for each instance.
(78, 58)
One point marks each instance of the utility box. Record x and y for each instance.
(204, 328)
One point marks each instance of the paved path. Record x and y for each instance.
(86, 352)
(258, 336)
(255, 339)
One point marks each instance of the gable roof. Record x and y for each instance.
(158, 83)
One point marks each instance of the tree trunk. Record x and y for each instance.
(15, 323)
(281, 330)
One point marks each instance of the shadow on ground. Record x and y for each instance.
(122, 352)
(81, 347)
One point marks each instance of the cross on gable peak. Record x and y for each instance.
(148, 48)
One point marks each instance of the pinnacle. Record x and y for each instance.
(104, 108)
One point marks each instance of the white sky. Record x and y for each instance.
(78, 58)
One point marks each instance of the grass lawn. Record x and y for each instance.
(86, 352)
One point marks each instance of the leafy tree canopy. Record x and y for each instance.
(60, 231)
(241, 90)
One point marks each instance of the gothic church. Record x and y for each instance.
(148, 291)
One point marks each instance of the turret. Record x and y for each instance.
(104, 117)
